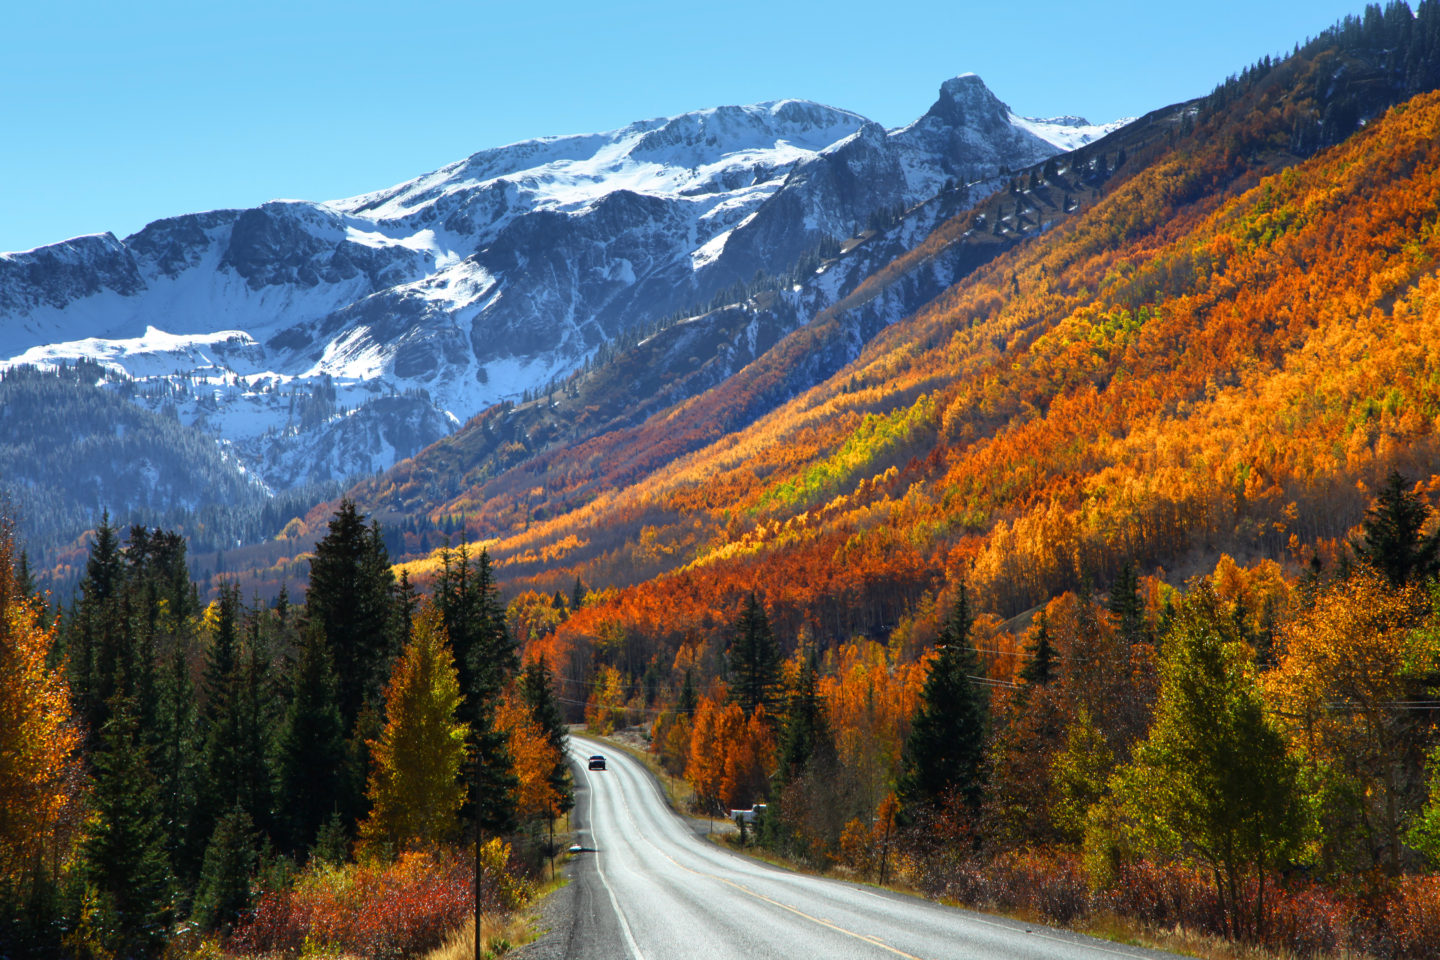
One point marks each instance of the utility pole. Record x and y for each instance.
(479, 871)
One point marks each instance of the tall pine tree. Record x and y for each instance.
(1392, 538)
(485, 658)
(754, 659)
(126, 869)
(351, 596)
(945, 751)
(1127, 607)
(313, 777)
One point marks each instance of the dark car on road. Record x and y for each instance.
(597, 762)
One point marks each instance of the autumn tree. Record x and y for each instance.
(605, 708)
(415, 790)
(536, 687)
(37, 739)
(1213, 782)
(538, 797)
(1352, 660)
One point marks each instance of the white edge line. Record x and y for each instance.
(615, 901)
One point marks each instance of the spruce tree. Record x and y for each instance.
(1039, 667)
(176, 762)
(351, 596)
(485, 659)
(95, 632)
(944, 753)
(235, 755)
(311, 760)
(754, 658)
(805, 740)
(1127, 607)
(1392, 540)
(689, 697)
(223, 892)
(124, 860)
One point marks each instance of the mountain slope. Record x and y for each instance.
(1225, 350)
(488, 277)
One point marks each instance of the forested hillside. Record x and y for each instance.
(72, 449)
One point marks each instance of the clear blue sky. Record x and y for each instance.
(113, 114)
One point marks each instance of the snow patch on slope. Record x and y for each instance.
(1068, 133)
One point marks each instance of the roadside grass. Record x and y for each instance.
(503, 933)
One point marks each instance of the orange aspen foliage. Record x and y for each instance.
(37, 737)
(534, 758)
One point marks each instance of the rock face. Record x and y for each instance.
(318, 340)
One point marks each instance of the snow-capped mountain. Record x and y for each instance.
(321, 340)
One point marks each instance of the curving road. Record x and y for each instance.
(650, 889)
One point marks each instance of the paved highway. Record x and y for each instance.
(650, 889)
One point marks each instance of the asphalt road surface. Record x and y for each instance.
(649, 888)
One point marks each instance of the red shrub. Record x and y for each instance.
(1412, 922)
(381, 910)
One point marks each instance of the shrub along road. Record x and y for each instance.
(647, 887)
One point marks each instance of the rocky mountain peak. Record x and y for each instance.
(965, 101)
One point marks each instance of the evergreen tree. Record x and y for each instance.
(806, 738)
(944, 753)
(577, 595)
(414, 789)
(313, 778)
(485, 659)
(96, 639)
(1039, 667)
(24, 579)
(1127, 607)
(689, 697)
(754, 658)
(236, 734)
(1391, 535)
(230, 861)
(351, 596)
(125, 866)
(177, 763)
